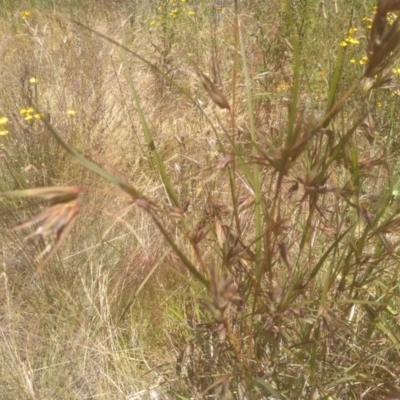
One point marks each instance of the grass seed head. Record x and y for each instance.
(56, 220)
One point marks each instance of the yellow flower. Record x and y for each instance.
(153, 22)
(352, 41)
(33, 80)
(378, 104)
(353, 61)
(3, 123)
(27, 113)
(25, 14)
(343, 44)
(37, 116)
(191, 13)
(390, 18)
(71, 112)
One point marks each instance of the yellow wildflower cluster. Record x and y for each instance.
(29, 114)
(3, 126)
(350, 38)
(25, 14)
(169, 10)
(173, 13)
(368, 21)
(390, 18)
(362, 61)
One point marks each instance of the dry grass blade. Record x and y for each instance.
(53, 194)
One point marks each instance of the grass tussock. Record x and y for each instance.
(199, 200)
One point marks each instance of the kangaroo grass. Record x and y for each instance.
(279, 278)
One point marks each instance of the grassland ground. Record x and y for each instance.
(227, 214)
